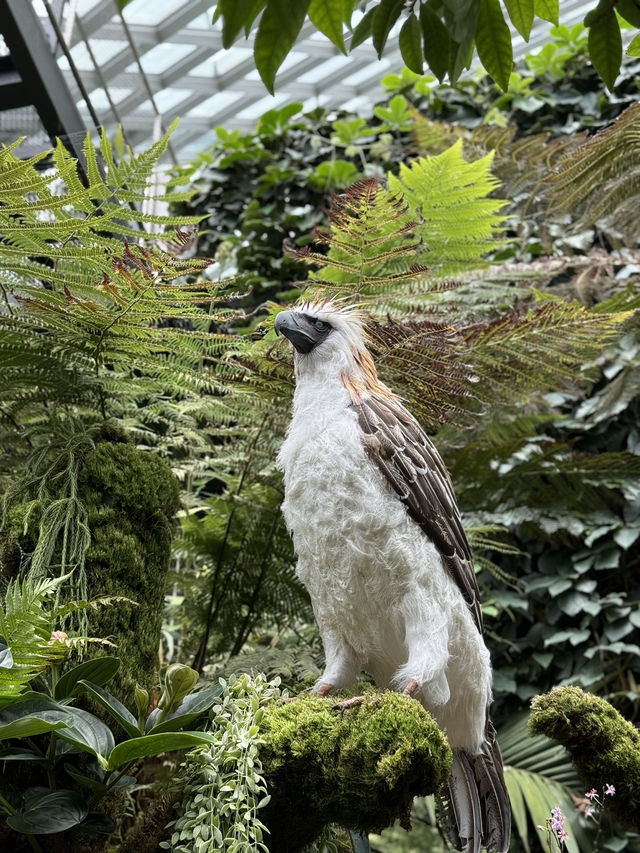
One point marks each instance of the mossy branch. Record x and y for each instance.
(604, 747)
(360, 768)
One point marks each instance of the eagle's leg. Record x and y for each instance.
(342, 664)
(426, 641)
(341, 669)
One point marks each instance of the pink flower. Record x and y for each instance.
(609, 790)
(59, 637)
(591, 794)
(562, 835)
(589, 812)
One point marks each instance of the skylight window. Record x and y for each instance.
(150, 13)
(161, 57)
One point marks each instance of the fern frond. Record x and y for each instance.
(602, 178)
(25, 627)
(458, 221)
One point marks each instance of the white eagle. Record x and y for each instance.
(383, 553)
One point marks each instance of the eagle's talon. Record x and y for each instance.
(348, 703)
(411, 688)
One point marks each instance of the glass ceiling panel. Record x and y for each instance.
(202, 21)
(103, 50)
(149, 13)
(221, 62)
(85, 6)
(257, 108)
(317, 74)
(291, 61)
(161, 57)
(366, 73)
(183, 62)
(215, 103)
(165, 99)
(101, 102)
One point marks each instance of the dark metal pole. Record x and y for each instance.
(43, 83)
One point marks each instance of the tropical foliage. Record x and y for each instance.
(506, 323)
(443, 35)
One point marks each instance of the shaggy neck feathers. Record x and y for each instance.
(341, 363)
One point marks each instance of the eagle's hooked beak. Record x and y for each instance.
(295, 326)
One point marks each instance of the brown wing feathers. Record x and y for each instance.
(476, 805)
(403, 452)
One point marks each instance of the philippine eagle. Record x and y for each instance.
(383, 553)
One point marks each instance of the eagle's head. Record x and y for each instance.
(330, 339)
(321, 326)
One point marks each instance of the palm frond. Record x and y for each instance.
(540, 777)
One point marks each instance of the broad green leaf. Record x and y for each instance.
(194, 706)
(363, 30)
(328, 16)
(117, 710)
(236, 15)
(605, 47)
(437, 44)
(521, 13)
(461, 56)
(97, 823)
(87, 732)
(14, 753)
(155, 744)
(410, 41)
(30, 726)
(253, 14)
(548, 10)
(601, 11)
(98, 671)
(397, 115)
(48, 811)
(333, 174)
(279, 27)
(493, 42)
(385, 15)
(32, 714)
(634, 47)
(518, 809)
(630, 11)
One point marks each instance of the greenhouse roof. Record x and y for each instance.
(143, 66)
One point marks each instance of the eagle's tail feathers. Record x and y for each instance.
(474, 810)
(465, 829)
(496, 808)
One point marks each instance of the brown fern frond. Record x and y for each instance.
(602, 178)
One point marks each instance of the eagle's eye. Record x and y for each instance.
(321, 325)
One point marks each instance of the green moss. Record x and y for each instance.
(605, 747)
(360, 768)
(131, 497)
(14, 542)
